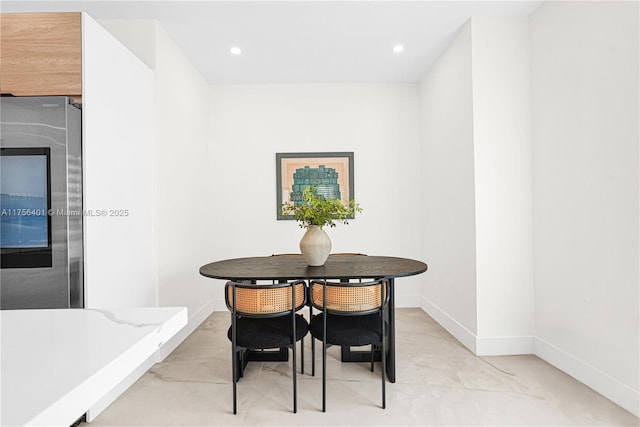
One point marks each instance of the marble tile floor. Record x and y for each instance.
(439, 383)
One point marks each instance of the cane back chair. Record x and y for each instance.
(352, 314)
(264, 317)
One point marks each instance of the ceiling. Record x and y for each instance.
(300, 41)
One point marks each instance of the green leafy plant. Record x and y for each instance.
(316, 210)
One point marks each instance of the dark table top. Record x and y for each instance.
(292, 267)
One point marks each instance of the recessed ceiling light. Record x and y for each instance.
(398, 48)
(235, 50)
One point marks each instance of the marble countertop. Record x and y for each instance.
(57, 364)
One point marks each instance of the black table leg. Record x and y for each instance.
(391, 344)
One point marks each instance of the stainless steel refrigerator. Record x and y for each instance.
(41, 264)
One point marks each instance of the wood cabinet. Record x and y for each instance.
(41, 54)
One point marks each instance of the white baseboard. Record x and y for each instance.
(491, 346)
(194, 321)
(459, 332)
(611, 388)
(504, 346)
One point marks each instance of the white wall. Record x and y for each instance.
(183, 174)
(585, 173)
(379, 123)
(448, 199)
(475, 121)
(157, 169)
(503, 189)
(118, 162)
(555, 190)
(185, 183)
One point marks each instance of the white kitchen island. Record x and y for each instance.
(57, 364)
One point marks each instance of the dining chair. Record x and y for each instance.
(263, 316)
(313, 342)
(353, 314)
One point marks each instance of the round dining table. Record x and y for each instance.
(337, 267)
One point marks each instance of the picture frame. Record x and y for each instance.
(330, 172)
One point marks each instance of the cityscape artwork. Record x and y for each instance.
(330, 173)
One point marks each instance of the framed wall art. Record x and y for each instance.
(330, 173)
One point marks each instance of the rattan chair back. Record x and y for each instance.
(265, 300)
(344, 298)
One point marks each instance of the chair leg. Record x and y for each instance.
(234, 354)
(301, 356)
(383, 359)
(234, 367)
(324, 374)
(313, 344)
(295, 395)
(313, 357)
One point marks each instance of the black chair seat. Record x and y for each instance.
(348, 330)
(274, 332)
(352, 314)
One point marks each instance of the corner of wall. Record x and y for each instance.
(138, 35)
(455, 328)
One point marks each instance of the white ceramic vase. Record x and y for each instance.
(315, 246)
